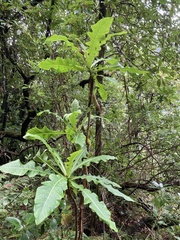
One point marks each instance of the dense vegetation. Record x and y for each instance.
(89, 95)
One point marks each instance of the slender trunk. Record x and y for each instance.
(85, 169)
(72, 199)
(128, 108)
(98, 136)
(98, 127)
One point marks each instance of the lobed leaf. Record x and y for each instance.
(69, 164)
(79, 139)
(19, 169)
(44, 133)
(77, 158)
(72, 118)
(62, 65)
(109, 185)
(97, 38)
(48, 197)
(97, 206)
(97, 159)
(95, 179)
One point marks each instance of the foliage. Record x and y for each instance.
(62, 176)
(16, 208)
(137, 80)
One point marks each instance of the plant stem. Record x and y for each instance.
(76, 212)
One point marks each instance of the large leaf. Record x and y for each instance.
(96, 206)
(48, 197)
(19, 169)
(62, 65)
(97, 38)
(107, 184)
(45, 133)
(97, 159)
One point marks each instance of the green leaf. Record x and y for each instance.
(44, 158)
(19, 169)
(97, 61)
(102, 91)
(79, 139)
(62, 65)
(72, 132)
(113, 64)
(163, 1)
(55, 38)
(69, 164)
(72, 118)
(75, 106)
(75, 159)
(113, 61)
(15, 222)
(44, 111)
(45, 133)
(96, 181)
(111, 79)
(38, 171)
(97, 39)
(29, 218)
(132, 70)
(97, 159)
(96, 206)
(109, 36)
(48, 197)
(107, 184)
(47, 111)
(53, 152)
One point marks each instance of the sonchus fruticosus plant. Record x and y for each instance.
(65, 176)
